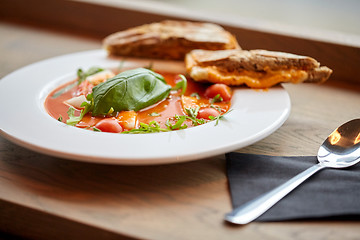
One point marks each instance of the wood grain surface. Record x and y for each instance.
(43, 197)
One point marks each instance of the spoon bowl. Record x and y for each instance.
(341, 149)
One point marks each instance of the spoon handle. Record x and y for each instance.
(254, 208)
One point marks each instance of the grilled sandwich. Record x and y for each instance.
(254, 68)
(169, 40)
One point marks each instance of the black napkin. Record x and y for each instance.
(329, 194)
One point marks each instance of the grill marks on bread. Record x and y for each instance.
(254, 68)
(169, 40)
(212, 54)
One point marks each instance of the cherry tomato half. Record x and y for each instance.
(205, 113)
(219, 88)
(109, 125)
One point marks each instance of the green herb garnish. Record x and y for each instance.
(95, 129)
(179, 120)
(192, 115)
(218, 117)
(152, 127)
(179, 123)
(195, 95)
(73, 120)
(216, 108)
(88, 106)
(216, 99)
(181, 84)
(81, 77)
(192, 112)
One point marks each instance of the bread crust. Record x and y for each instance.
(237, 67)
(169, 40)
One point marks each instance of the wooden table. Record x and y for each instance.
(44, 197)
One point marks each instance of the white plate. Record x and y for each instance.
(24, 120)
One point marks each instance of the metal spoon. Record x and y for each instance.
(340, 150)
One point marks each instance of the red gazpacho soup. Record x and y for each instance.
(137, 101)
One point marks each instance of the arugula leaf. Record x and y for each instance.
(83, 75)
(73, 120)
(181, 84)
(216, 107)
(192, 114)
(152, 127)
(218, 117)
(216, 99)
(195, 95)
(130, 90)
(95, 129)
(88, 106)
(178, 124)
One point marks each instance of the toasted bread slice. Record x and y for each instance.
(169, 40)
(254, 68)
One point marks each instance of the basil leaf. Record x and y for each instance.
(130, 90)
